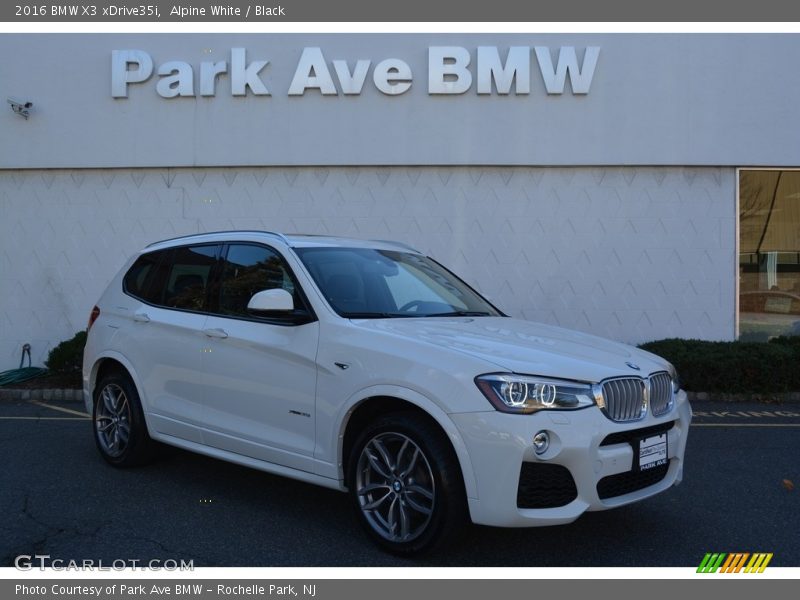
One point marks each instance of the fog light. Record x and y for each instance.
(541, 442)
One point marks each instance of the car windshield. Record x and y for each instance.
(365, 283)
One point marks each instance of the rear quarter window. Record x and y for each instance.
(138, 281)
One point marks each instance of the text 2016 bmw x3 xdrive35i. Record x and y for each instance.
(368, 367)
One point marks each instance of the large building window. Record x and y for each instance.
(769, 254)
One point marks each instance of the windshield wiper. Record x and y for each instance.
(459, 313)
(388, 315)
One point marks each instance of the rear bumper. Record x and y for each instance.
(498, 445)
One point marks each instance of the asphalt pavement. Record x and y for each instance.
(741, 493)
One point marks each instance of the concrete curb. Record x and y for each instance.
(51, 395)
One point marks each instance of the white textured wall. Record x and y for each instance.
(634, 254)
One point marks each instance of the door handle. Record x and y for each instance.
(141, 317)
(216, 333)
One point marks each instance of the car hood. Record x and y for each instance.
(519, 346)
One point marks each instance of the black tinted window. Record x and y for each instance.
(140, 278)
(250, 269)
(186, 277)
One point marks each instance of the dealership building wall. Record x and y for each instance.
(612, 212)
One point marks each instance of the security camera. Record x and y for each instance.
(21, 108)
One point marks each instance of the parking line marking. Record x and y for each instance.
(745, 425)
(66, 410)
(48, 418)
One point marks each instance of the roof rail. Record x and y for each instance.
(280, 236)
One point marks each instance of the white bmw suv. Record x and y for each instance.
(367, 367)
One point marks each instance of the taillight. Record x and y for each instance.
(93, 317)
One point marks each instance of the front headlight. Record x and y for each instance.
(526, 394)
(676, 380)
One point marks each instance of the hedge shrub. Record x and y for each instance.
(67, 357)
(733, 367)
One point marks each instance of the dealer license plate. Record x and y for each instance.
(652, 452)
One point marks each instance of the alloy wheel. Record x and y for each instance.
(113, 420)
(395, 487)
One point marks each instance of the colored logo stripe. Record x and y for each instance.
(734, 562)
(758, 563)
(711, 563)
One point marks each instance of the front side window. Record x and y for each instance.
(369, 283)
(769, 254)
(248, 269)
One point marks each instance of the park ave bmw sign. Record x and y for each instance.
(450, 71)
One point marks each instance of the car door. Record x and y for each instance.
(260, 372)
(166, 339)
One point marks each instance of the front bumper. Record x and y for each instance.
(499, 443)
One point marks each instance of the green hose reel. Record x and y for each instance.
(23, 373)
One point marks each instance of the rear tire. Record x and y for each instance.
(406, 486)
(120, 431)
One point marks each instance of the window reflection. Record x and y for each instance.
(769, 254)
(249, 269)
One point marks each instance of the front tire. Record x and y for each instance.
(406, 485)
(120, 432)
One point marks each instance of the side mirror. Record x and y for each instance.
(275, 300)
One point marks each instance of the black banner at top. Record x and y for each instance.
(444, 11)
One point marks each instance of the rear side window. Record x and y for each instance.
(188, 276)
(174, 278)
